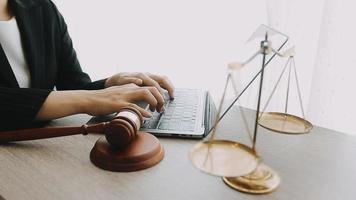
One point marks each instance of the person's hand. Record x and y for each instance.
(142, 79)
(112, 99)
(100, 102)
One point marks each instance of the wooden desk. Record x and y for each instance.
(319, 165)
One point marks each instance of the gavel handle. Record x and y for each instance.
(50, 132)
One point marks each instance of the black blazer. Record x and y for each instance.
(51, 58)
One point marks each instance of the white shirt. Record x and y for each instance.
(10, 40)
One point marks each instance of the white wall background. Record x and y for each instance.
(332, 97)
(192, 41)
(181, 39)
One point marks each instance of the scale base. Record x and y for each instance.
(261, 181)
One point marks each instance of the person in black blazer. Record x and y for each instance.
(58, 86)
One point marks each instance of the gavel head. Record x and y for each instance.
(122, 130)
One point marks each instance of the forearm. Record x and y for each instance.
(63, 103)
(98, 102)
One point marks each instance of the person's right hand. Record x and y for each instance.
(99, 102)
(110, 100)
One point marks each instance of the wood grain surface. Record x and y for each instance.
(319, 165)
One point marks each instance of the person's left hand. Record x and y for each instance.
(142, 79)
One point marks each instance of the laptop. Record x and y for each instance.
(191, 114)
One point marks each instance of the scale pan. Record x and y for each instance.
(223, 158)
(284, 123)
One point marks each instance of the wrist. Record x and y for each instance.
(85, 101)
(64, 103)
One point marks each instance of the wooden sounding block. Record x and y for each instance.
(144, 152)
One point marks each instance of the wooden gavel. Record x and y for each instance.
(125, 148)
(119, 132)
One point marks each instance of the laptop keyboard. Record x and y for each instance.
(180, 113)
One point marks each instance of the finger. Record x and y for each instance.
(159, 97)
(148, 81)
(129, 85)
(144, 95)
(123, 104)
(144, 112)
(165, 83)
(134, 80)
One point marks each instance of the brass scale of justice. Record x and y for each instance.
(239, 165)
